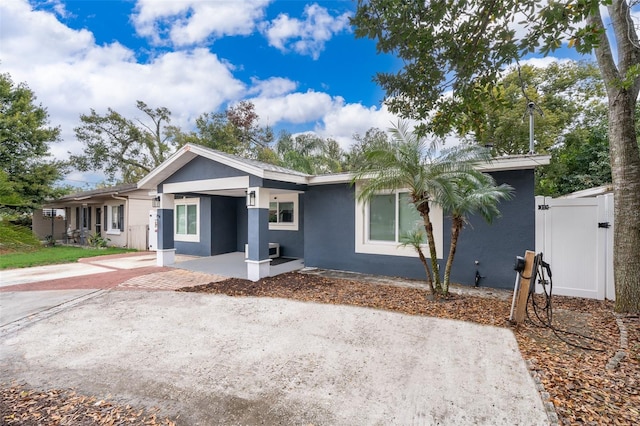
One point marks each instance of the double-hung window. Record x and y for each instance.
(383, 221)
(187, 223)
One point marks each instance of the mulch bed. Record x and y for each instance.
(580, 386)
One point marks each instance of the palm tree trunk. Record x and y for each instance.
(423, 259)
(456, 227)
(424, 210)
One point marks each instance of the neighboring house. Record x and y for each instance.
(213, 203)
(119, 213)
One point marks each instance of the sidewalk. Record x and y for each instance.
(103, 272)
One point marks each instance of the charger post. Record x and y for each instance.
(522, 288)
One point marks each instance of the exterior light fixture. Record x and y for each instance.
(251, 199)
(155, 202)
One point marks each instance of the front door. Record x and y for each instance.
(98, 221)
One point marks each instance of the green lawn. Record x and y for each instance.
(51, 255)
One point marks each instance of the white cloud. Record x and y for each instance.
(343, 122)
(308, 36)
(294, 107)
(271, 87)
(190, 22)
(70, 74)
(333, 117)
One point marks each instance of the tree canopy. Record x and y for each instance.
(124, 149)
(235, 131)
(29, 172)
(309, 153)
(561, 93)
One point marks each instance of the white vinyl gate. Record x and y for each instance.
(575, 236)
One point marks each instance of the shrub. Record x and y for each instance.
(96, 240)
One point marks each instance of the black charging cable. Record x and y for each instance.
(544, 311)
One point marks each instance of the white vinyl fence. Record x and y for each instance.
(575, 236)
(138, 237)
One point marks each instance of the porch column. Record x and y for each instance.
(258, 262)
(165, 255)
(83, 230)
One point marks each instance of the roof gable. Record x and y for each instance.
(253, 167)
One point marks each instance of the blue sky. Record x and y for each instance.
(297, 61)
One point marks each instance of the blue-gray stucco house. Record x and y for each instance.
(213, 203)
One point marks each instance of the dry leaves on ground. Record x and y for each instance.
(26, 407)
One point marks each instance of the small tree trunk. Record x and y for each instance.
(424, 210)
(423, 259)
(456, 227)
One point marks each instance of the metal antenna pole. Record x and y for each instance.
(531, 106)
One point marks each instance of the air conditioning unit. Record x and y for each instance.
(274, 250)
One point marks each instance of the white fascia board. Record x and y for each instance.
(522, 162)
(284, 177)
(206, 185)
(330, 179)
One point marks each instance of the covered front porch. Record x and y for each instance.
(214, 204)
(233, 265)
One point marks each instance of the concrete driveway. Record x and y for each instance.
(211, 359)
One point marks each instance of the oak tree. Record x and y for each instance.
(123, 149)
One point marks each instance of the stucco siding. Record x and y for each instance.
(241, 224)
(329, 239)
(139, 212)
(495, 246)
(224, 219)
(329, 236)
(202, 247)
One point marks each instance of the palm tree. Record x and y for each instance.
(427, 173)
(474, 193)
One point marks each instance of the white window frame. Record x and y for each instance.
(285, 198)
(110, 230)
(392, 248)
(193, 238)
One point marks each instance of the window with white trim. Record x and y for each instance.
(392, 216)
(187, 219)
(386, 218)
(115, 219)
(283, 212)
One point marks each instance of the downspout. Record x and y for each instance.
(126, 213)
